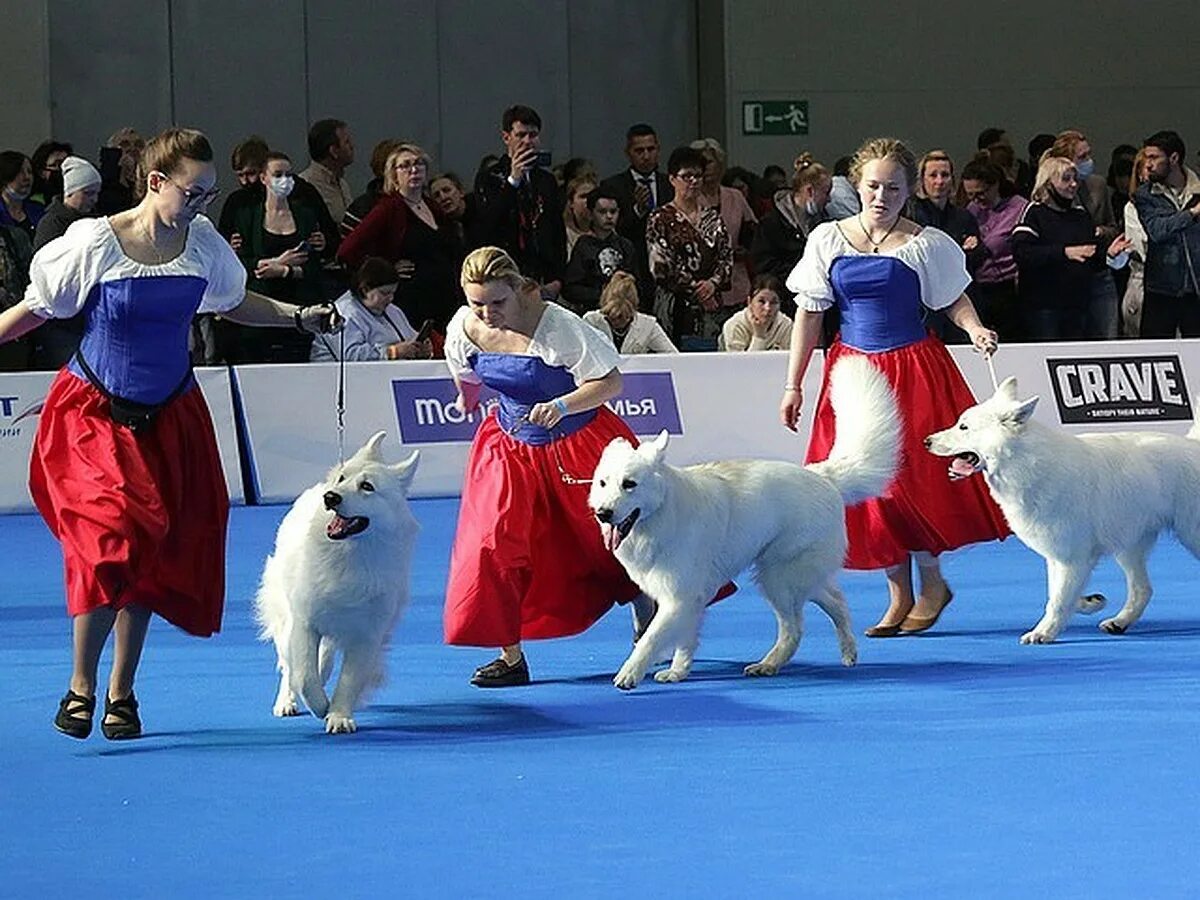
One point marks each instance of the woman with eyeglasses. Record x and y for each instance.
(691, 258)
(412, 233)
(125, 468)
(279, 240)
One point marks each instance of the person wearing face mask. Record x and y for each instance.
(781, 235)
(1093, 194)
(1058, 253)
(995, 288)
(16, 182)
(280, 242)
(47, 170)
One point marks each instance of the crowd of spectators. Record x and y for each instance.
(691, 255)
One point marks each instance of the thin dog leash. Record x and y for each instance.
(992, 368)
(341, 400)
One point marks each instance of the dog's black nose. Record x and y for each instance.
(604, 515)
(928, 442)
(332, 499)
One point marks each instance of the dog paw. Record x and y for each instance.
(1092, 603)
(760, 670)
(339, 723)
(285, 708)
(1037, 637)
(669, 676)
(850, 657)
(1112, 626)
(627, 678)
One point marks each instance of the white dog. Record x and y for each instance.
(683, 533)
(338, 580)
(1075, 498)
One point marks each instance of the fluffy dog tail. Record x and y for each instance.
(866, 448)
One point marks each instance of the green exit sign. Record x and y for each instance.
(775, 117)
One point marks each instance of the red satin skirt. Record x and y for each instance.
(141, 518)
(528, 560)
(922, 509)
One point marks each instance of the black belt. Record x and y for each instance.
(133, 415)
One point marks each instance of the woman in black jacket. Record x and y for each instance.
(1057, 253)
(781, 235)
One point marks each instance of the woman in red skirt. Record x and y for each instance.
(528, 560)
(882, 271)
(125, 468)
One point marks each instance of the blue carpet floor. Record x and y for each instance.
(955, 764)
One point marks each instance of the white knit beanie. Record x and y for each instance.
(78, 174)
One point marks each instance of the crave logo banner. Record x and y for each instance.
(426, 414)
(1120, 389)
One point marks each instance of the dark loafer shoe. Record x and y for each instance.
(498, 673)
(126, 723)
(75, 715)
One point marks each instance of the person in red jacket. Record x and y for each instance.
(410, 232)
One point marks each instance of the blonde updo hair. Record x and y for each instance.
(488, 264)
(390, 183)
(165, 152)
(806, 171)
(889, 149)
(619, 294)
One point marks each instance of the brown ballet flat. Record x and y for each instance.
(883, 631)
(917, 624)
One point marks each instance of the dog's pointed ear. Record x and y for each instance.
(1008, 388)
(1021, 412)
(407, 468)
(370, 450)
(657, 447)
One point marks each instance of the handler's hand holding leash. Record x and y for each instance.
(985, 341)
(323, 318)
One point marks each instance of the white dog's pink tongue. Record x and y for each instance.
(960, 468)
(611, 535)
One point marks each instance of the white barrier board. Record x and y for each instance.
(21, 397)
(716, 405)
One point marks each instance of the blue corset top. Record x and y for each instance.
(136, 335)
(879, 298)
(522, 382)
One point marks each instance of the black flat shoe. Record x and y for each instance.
(498, 673)
(128, 725)
(74, 717)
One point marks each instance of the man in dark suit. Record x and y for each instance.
(639, 190)
(519, 205)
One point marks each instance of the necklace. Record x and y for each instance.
(876, 244)
(150, 241)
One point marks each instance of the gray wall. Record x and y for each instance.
(24, 76)
(937, 72)
(436, 72)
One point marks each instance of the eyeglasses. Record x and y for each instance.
(410, 165)
(193, 198)
(688, 176)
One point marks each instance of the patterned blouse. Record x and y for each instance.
(681, 253)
